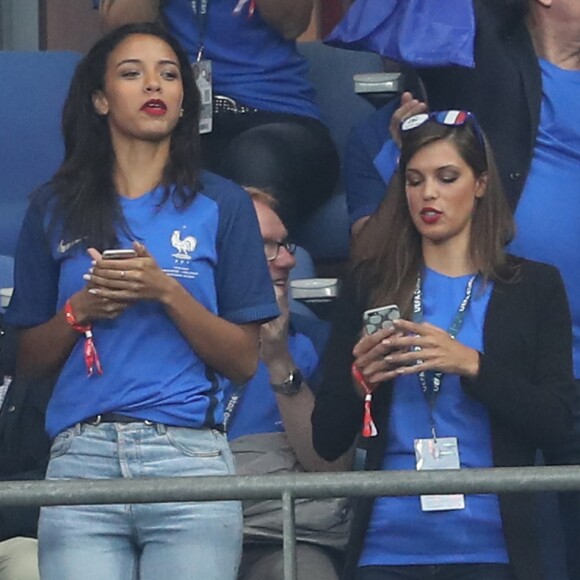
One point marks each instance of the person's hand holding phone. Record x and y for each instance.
(121, 277)
(374, 345)
(88, 304)
(425, 347)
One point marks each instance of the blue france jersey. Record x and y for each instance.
(213, 248)
(251, 61)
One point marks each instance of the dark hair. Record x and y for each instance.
(87, 204)
(387, 252)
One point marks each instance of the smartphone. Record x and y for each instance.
(119, 254)
(381, 317)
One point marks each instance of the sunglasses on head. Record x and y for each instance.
(448, 118)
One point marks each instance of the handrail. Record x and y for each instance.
(290, 487)
(343, 484)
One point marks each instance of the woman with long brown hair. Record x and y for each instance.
(477, 372)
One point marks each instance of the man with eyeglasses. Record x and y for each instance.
(269, 418)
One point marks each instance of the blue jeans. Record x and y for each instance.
(173, 541)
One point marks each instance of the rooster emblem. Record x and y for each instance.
(183, 247)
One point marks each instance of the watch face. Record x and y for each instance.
(291, 385)
(295, 378)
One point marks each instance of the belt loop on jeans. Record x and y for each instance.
(223, 104)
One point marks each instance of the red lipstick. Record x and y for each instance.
(430, 215)
(154, 107)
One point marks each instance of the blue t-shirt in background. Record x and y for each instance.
(257, 409)
(213, 248)
(251, 61)
(547, 214)
(369, 162)
(399, 533)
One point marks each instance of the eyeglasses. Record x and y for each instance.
(272, 249)
(450, 118)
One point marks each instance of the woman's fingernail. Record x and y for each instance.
(93, 291)
(386, 342)
(87, 277)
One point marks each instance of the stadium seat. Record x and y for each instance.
(30, 143)
(326, 233)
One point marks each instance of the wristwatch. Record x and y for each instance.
(291, 385)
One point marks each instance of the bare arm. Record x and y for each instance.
(43, 349)
(295, 410)
(115, 13)
(229, 348)
(289, 17)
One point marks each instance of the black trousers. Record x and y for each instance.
(569, 503)
(441, 572)
(290, 156)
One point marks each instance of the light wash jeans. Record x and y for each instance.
(163, 541)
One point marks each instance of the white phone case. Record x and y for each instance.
(381, 317)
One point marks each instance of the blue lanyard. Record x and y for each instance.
(431, 392)
(200, 10)
(232, 405)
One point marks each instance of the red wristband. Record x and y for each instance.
(71, 319)
(92, 361)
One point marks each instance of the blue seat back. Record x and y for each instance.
(326, 234)
(31, 148)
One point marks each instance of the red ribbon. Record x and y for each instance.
(92, 361)
(369, 428)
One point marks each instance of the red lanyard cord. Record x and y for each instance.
(369, 428)
(91, 356)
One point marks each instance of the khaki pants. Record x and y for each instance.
(19, 559)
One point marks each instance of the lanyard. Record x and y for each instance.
(232, 405)
(432, 393)
(200, 12)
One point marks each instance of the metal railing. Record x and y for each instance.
(289, 488)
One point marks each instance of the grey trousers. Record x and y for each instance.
(19, 559)
(266, 562)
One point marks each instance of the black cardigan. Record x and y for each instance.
(525, 381)
(504, 90)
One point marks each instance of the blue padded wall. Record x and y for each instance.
(30, 143)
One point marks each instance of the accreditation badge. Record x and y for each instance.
(202, 75)
(440, 453)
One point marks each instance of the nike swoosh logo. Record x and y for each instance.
(62, 247)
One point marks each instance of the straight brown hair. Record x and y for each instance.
(387, 254)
